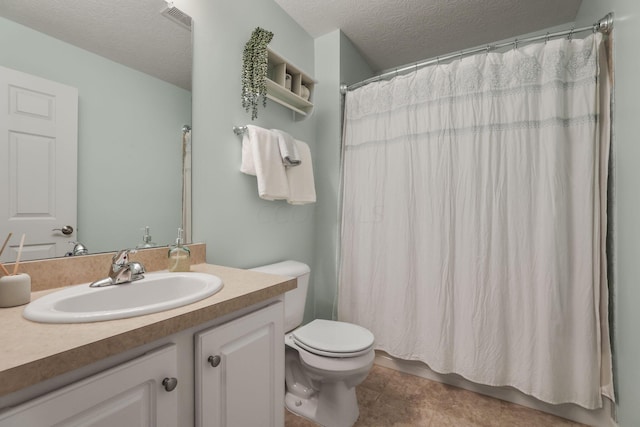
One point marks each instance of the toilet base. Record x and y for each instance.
(327, 411)
(305, 408)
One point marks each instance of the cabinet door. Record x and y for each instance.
(240, 371)
(131, 394)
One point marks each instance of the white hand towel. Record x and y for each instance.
(302, 189)
(288, 149)
(247, 165)
(262, 148)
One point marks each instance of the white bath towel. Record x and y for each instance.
(302, 189)
(261, 157)
(288, 149)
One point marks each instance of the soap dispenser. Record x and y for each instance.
(146, 239)
(179, 255)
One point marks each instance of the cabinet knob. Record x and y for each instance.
(214, 360)
(170, 383)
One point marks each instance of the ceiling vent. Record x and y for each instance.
(176, 15)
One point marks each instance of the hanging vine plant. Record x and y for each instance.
(254, 71)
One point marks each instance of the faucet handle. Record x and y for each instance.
(122, 257)
(137, 270)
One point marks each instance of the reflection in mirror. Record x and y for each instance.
(131, 66)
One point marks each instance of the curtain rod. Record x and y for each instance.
(604, 25)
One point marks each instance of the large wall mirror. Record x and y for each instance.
(131, 65)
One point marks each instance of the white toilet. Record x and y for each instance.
(324, 360)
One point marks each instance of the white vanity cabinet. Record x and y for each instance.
(229, 371)
(130, 394)
(239, 367)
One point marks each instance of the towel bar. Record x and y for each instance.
(240, 130)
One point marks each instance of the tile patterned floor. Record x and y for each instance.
(389, 398)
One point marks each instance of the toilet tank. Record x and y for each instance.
(294, 300)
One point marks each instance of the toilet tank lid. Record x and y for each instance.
(285, 268)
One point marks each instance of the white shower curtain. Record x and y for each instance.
(474, 218)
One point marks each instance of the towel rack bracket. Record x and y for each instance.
(240, 130)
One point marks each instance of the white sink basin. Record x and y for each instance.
(156, 292)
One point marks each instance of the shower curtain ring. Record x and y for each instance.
(571, 34)
(546, 38)
(437, 61)
(515, 44)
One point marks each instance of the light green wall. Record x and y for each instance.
(129, 138)
(626, 211)
(337, 61)
(353, 67)
(239, 228)
(327, 51)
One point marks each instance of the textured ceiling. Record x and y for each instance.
(131, 32)
(391, 33)
(388, 33)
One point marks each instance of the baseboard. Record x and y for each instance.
(603, 417)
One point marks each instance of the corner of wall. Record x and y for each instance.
(337, 61)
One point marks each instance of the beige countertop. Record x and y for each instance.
(33, 352)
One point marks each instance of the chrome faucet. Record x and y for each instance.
(122, 270)
(78, 249)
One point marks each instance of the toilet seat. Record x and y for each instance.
(333, 339)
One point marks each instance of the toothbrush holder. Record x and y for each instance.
(15, 290)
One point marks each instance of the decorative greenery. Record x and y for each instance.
(254, 71)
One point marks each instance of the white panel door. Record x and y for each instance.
(239, 369)
(131, 394)
(38, 164)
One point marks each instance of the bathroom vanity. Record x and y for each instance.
(216, 362)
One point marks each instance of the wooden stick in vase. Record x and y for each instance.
(15, 266)
(1, 251)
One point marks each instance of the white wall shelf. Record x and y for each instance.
(289, 94)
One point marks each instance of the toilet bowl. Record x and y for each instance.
(320, 378)
(324, 360)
